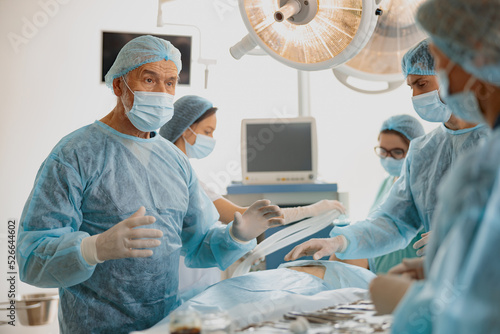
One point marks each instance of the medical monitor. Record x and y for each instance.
(113, 42)
(279, 150)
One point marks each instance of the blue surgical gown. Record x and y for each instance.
(412, 200)
(382, 264)
(461, 293)
(94, 178)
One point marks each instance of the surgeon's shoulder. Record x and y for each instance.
(81, 144)
(172, 149)
(424, 140)
(419, 143)
(480, 163)
(487, 153)
(483, 131)
(179, 157)
(475, 172)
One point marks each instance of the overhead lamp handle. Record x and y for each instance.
(291, 8)
(242, 47)
(391, 85)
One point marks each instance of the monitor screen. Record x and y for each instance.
(113, 42)
(279, 147)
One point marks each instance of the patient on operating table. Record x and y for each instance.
(291, 284)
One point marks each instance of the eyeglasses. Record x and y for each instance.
(396, 153)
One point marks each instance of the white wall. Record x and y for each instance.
(51, 85)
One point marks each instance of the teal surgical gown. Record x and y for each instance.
(383, 192)
(461, 293)
(94, 178)
(412, 200)
(382, 264)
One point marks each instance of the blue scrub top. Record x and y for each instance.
(93, 179)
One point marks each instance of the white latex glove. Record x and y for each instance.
(257, 218)
(422, 243)
(301, 212)
(411, 268)
(123, 240)
(318, 248)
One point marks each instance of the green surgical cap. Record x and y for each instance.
(467, 32)
(187, 110)
(418, 60)
(140, 51)
(408, 126)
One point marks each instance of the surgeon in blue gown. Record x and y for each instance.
(460, 292)
(411, 204)
(114, 206)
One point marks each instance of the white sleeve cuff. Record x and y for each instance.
(89, 250)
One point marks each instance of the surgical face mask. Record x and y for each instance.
(151, 110)
(430, 108)
(202, 147)
(464, 104)
(392, 166)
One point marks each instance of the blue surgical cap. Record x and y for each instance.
(187, 110)
(408, 126)
(467, 32)
(140, 51)
(418, 60)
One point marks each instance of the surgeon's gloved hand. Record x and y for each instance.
(260, 216)
(294, 214)
(411, 268)
(122, 240)
(318, 248)
(422, 243)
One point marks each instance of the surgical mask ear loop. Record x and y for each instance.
(468, 85)
(195, 135)
(125, 81)
(127, 110)
(467, 88)
(449, 67)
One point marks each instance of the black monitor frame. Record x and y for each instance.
(113, 42)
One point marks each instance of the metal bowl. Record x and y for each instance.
(37, 309)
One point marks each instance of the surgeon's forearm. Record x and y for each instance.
(371, 238)
(387, 291)
(48, 261)
(227, 209)
(298, 213)
(89, 250)
(218, 249)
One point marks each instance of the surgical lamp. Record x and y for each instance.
(380, 60)
(307, 34)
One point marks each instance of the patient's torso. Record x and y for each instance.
(315, 270)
